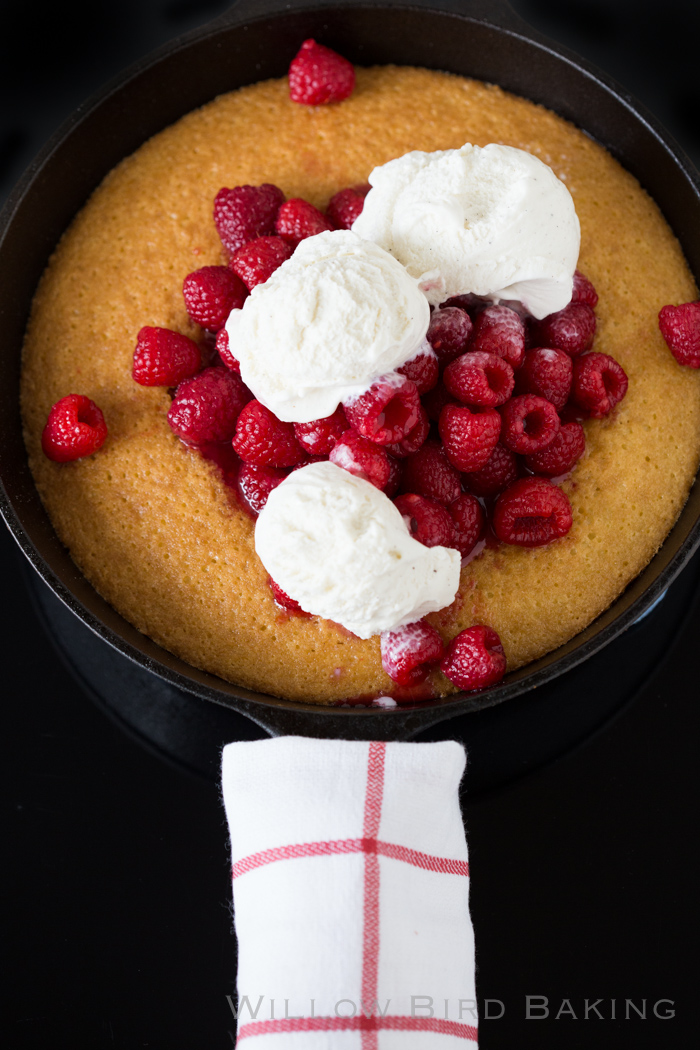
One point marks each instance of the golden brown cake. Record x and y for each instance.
(150, 522)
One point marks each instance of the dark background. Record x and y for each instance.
(118, 917)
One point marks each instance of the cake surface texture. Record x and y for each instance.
(150, 522)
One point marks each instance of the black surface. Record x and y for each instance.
(117, 902)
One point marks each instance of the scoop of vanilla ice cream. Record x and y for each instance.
(325, 325)
(494, 221)
(340, 547)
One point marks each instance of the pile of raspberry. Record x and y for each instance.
(465, 438)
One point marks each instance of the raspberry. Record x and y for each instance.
(391, 487)
(468, 517)
(571, 329)
(474, 659)
(164, 358)
(469, 437)
(563, 453)
(75, 428)
(346, 206)
(599, 383)
(206, 407)
(364, 458)
(680, 327)
(583, 292)
(297, 220)
(211, 294)
(448, 333)
(479, 378)
(498, 330)
(423, 370)
(428, 473)
(499, 471)
(320, 435)
(426, 520)
(414, 439)
(435, 400)
(246, 212)
(387, 411)
(530, 423)
(546, 373)
(259, 259)
(256, 483)
(469, 302)
(318, 75)
(263, 439)
(409, 652)
(283, 599)
(224, 352)
(531, 513)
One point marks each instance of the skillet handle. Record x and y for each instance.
(492, 12)
(350, 875)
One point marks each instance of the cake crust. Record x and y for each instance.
(150, 522)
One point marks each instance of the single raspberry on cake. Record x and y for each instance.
(423, 370)
(448, 333)
(211, 294)
(263, 439)
(562, 454)
(75, 428)
(680, 327)
(427, 520)
(320, 435)
(547, 373)
(363, 457)
(428, 473)
(469, 521)
(583, 291)
(498, 472)
(297, 220)
(409, 653)
(319, 75)
(387, 411)
(498, 330)
(571, 329)
(474, 659)
(259, 259)
(599, 383)
(346, 205)
(479, 378)
(283, 599)
(256, 483)
(164, 358)
(469, 437)
(224, 351)
(531, 513)
(206, 407)
(246, 212)
(530, 423)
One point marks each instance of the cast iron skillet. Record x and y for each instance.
(254, 40)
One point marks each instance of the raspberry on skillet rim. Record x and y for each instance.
(318, 75)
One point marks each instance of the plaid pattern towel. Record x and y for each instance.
(350, 889)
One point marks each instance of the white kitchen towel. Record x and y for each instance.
(351, 895)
